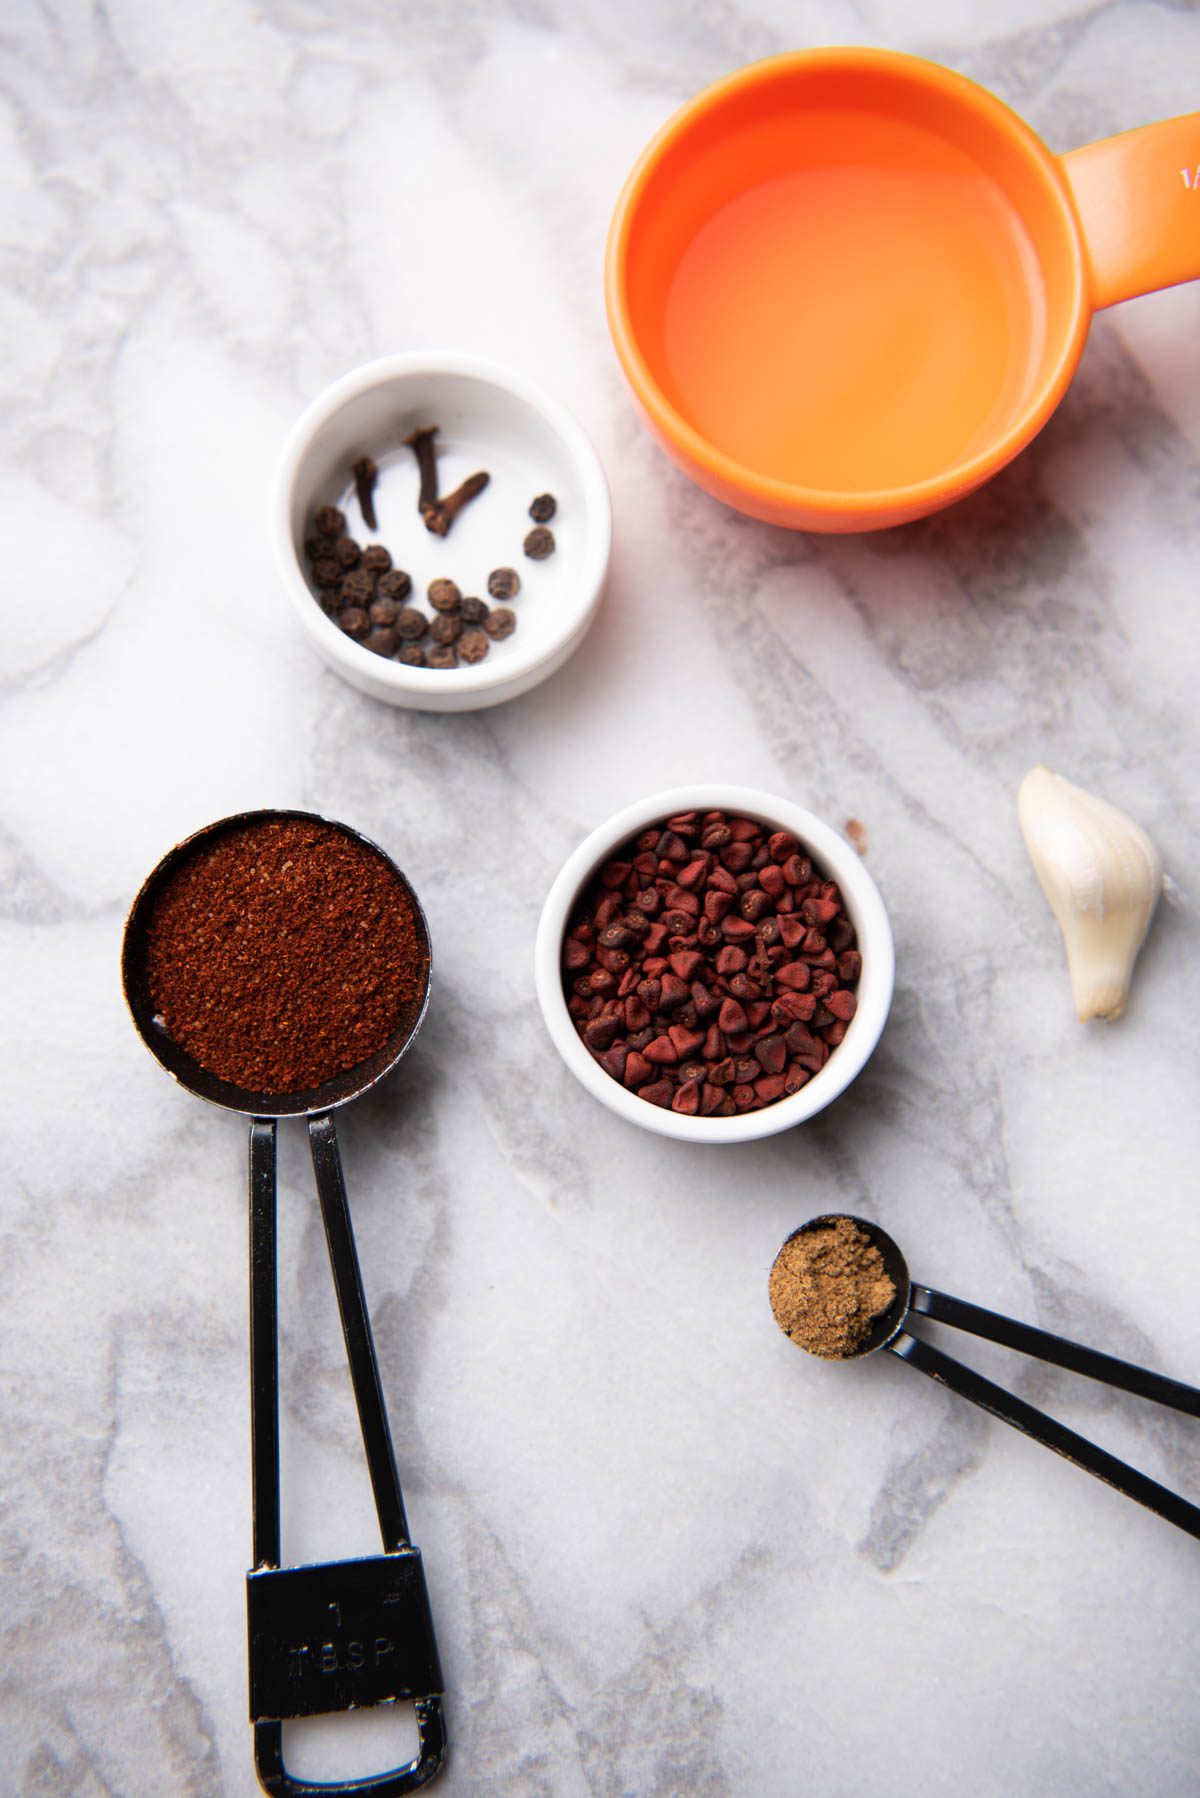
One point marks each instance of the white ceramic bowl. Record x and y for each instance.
(832, 855)
(486, 418)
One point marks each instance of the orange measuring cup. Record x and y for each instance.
(847, 286)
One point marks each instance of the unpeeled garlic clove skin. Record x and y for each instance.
(1102, 876)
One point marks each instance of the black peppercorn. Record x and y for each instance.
(444, 596)
(539, 543)
(444, 656)
(358, 589)
(543, 508)
(329, 522)
(326, 572)
(395, 584)
(346, 551)
(472, 610)
(473, 645)
(504, 583)
(376, 559)
(382, 639)
(383, 611)
(314, 547)
(411, 654)
(354, 622)
(411, 624)
(500, 622)
(446, 628)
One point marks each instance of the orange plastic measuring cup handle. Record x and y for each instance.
(1138, 200)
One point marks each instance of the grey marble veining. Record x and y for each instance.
(667, 1554)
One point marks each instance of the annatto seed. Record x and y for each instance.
(685, 1041)
(674, 992)
(657, 1092)
(731, 1017)
(686, 962)
(790, 1007)
(796, 975)
(708, 959)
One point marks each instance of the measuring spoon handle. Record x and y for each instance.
(1046, 1430)
(264, 1346)
(356, 1329)
(1056, 1349)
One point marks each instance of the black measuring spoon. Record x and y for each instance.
(889, 1331)
(334, 1635)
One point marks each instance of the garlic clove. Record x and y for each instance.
(1102, 876)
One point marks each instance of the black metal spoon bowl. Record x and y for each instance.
(334, 1636)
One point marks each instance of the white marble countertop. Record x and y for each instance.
(667, 1553)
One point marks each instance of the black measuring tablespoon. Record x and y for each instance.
(335, 1635)
(889, 1329)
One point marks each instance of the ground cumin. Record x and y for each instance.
(828, 1285)
(283, 953)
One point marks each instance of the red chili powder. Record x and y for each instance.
(283, 953)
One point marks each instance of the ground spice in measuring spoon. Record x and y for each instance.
(283, 953)
(828, 1285)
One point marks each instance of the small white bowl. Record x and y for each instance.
(487, 419)
(831, 854)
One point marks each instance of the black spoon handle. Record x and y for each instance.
(969, 1384)
(356, 1328)
(1040, 1343)
(264, 1352)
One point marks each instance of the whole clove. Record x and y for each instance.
(441, 515)
(365, 476)
(421, 443)
(366, 596)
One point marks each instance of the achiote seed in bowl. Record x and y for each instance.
(715, 964)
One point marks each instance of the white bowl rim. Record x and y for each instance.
(484, 677)
(837, 859)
